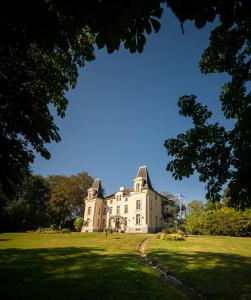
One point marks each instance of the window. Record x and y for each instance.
(125, 221)
(104, 212)
(110, 210)
(126, 209)
(126, 199)
(103, 222)
(118, 210)
(88, 221)
(137, 187)
(111, 201)
(98, 223)
(89, 210)
(138, 204)
(137, 219)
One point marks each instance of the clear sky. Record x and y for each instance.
(125, 106)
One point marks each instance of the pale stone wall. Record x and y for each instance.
(143, 214)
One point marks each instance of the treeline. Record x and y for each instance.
(45, 201)
(217, 219)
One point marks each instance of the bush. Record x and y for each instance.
(174, 230)
(171, 236)
(174, 237)
(78, 223)
(65, 230)
(222, 221)
(46, 230)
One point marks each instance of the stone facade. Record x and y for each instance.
(138, 209)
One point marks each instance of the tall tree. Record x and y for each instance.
(220, 156)
(67, 196)
(43, 43)
(29, 207)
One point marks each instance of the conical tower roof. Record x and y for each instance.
(98, 191)
(142, 172)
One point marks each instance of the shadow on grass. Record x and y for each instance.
(215, 275)
(5, 240)
(78, 273)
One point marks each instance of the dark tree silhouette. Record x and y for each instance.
(218, 155)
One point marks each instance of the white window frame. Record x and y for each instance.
(138, 204)
(138, 219)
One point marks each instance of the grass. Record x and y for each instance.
(218, 267)
(77, 266)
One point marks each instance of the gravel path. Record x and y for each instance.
(189, 292)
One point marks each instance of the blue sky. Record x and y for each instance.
(125, 106)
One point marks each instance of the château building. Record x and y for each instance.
(137, 209)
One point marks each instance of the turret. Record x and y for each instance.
(142, 180)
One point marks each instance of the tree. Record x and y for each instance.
(217, 219)
(78, 223)
(35, 190)
(43, 43)
(67, 196)
(28, 209)
(220, 156)
(18, 216)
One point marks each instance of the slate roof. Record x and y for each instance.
(142, 172)
(98, 188)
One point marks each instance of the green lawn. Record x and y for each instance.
(91, 266)
(77, 266)
(218, 267)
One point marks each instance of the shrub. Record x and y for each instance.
(221, 221)
(158, 235)
(174, 230)
(46, 230)
(174, 237)
(65, 230)
(78, 223)
(171, 236)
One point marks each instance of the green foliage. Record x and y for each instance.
(173, 230)
(41, 53)
(172, 236)
(218, 220)
(65, 230)
(78, 223)
(28, 208)
(35, 189)
(220, 156)
(18, 215)
(67, 196)
(40, 201)
(46, 230)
